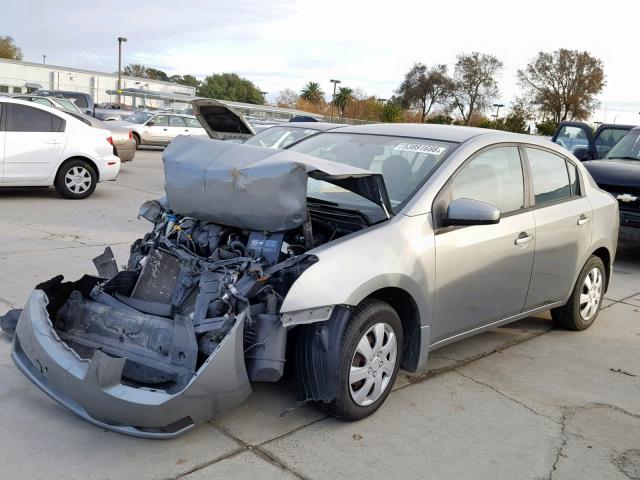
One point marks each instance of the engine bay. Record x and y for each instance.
(186, 283)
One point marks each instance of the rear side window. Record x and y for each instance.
(192, 123)
(550, 176)
(573, 179)
(176, 122)
(493, 177)
(26, 119)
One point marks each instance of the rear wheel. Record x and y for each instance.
(370, 356)
(586, 300)
(76, 179)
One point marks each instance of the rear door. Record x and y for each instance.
(177, 126)
(34, 140)
(577, 137)
(563, 225)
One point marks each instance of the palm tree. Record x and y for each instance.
(343, 97)
(312, 93)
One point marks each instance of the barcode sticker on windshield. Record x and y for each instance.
(420, 148)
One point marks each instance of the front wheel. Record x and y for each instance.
(76, 179)
(585, 302)
(370, 356)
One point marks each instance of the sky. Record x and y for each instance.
(366, 44)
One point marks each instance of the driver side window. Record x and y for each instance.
(494, 177)
(160, 121)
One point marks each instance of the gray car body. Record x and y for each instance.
(451, 283)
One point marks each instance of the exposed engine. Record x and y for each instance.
(184, 287)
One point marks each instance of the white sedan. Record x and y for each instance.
(42, 146)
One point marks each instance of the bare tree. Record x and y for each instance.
(287, 98)
(475, 83)
(135, 70)
(422, 88)
(563, 83)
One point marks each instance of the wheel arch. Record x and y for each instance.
(80, 157)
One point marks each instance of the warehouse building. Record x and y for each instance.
(26, 77)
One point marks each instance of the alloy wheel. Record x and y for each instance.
(591, 294)
(78, 180)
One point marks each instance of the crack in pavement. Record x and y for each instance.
(82, 245)
(502, 394)
(564, 439)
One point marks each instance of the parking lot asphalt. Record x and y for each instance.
(524, 401)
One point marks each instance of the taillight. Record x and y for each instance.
(110, 140)
(130, 135)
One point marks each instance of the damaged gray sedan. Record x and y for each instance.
(350, 255)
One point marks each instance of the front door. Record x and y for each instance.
(34, 140)
(483, 271)
(563, 226)
(158, 130)
(577, 137)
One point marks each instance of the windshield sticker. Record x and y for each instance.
(420, 148)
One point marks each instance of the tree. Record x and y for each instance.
(342, 99)
(287, 98)
(230, 86)
(475, 83)
(546, 128)
(422, 88)
(312, 93)
(155, 74)
(441, 119)
(563, 83)
(190, 81)
(8, 48)
(392, 111)
(135, 70)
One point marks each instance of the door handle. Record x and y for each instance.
(53, 142)
(523, 238)
(164, 129)
(583, 219)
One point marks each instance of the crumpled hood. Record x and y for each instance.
(624, 173)
(252, 187)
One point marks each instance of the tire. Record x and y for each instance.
(136, 139)
(371, 320)
(76, 179)
(588, 292)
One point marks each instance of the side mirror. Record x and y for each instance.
(582, 153)
(465, 211)
(150, 124)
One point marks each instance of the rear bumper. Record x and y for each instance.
(109, 167)
(126, 151)
(93, 390)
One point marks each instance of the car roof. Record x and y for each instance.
(447, 133)
(320, 126)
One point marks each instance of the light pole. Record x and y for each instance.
(615, 118)
(44, 59)
(333, 99)
(498, 106)
(120, 41)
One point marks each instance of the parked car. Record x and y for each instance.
(83, 101)
(617, 168)
(361, 249)
(152, 128)
(110, 114)
(63, 104)
(43, 146)
(122, 139)
(281, 136)
(584, 143)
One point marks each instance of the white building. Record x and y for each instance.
(26, 77)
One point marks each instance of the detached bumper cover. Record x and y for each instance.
(93, 390)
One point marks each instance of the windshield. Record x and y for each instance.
(139, 117)
(628, 148)
(279, 137)
(405, 163)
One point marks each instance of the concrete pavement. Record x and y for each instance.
(523, 401)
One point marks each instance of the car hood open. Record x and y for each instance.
(252, 187)
(220, 120)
